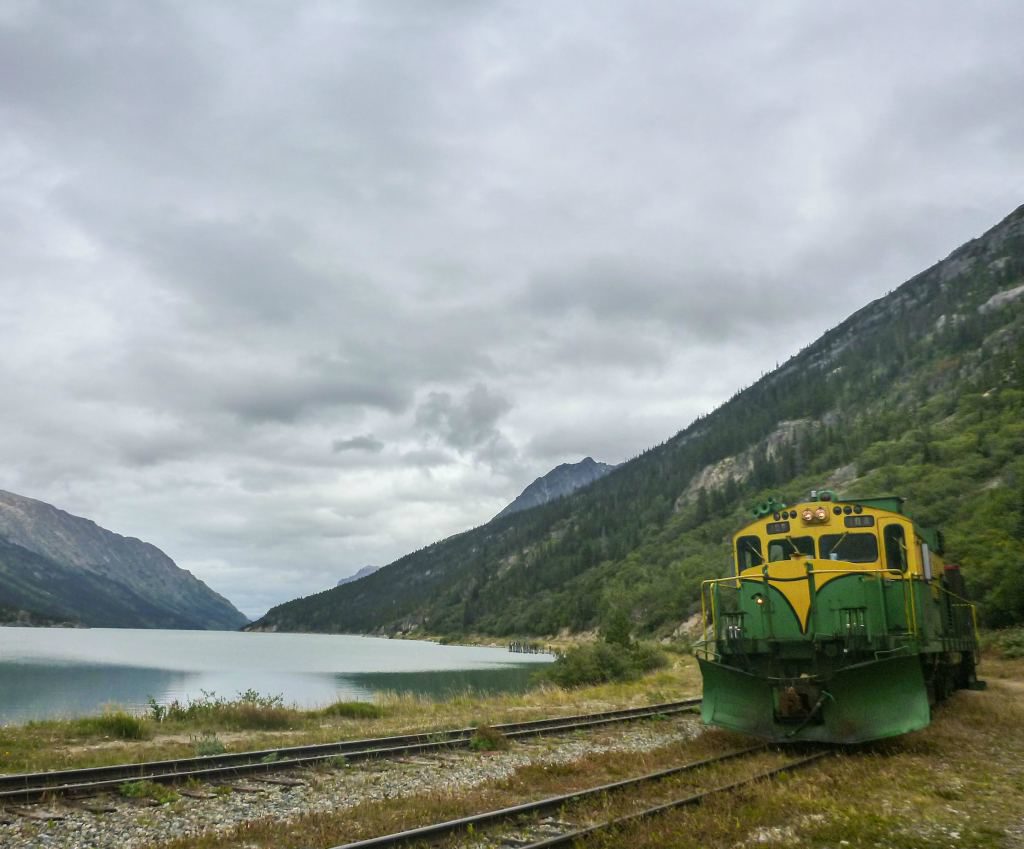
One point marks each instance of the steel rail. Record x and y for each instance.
(30, 787)
(463, 823)
(573, 837)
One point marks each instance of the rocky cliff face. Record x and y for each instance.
(61, 565)
(559, 482)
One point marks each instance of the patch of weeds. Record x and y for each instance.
(272, 758)
(148, 790)
(338, 762)
(207, 744)
(248, 711)
(354, 710)
(223, 790)
(437, 737)
(487, 739)
(117, 723)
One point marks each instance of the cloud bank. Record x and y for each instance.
(295, 287)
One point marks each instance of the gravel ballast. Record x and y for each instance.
(131, 823)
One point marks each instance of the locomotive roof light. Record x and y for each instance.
(814, 515)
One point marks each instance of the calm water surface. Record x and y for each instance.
(61, 672)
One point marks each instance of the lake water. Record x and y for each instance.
(63, 672)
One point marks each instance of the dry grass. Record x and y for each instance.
(959, 783)
(64, 744)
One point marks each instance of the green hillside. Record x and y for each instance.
(920, 393)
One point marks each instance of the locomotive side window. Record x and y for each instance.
(748, 552)
(783, 549)
(895, 543)
(851, 548)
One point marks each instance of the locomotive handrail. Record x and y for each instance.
(963, 602)
(708, 597)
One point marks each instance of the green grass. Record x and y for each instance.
(354, 710)
(148, 790)
(116, 723)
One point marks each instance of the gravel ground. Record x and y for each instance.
(130, 824)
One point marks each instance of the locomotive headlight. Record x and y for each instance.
(807, 515)
(821, 514)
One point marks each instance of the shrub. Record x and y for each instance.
(487, 739)
(354, 710)
(601, 662)
(208, 743)
(157, 711)
(1008, 643)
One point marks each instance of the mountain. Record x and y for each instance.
(362, 573)
(66, 567)
(560, 481)
(920, 393)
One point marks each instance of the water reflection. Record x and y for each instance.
(34, 691)
(50, 673)
(438, 685)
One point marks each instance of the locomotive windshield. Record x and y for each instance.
(748, 552)
(852, 548)
(786, 547)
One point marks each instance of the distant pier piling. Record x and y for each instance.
(526, 647)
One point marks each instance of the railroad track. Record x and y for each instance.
(33, 787)
(569, 834)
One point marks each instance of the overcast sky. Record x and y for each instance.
(289, 288)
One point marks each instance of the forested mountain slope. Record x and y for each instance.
(920, 393)
(66, 567)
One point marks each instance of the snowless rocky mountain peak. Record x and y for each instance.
(559, 482)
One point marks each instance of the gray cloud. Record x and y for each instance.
(466, 422)
(293, 288)
(366, 442)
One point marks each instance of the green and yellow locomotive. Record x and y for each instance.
(842, 624)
